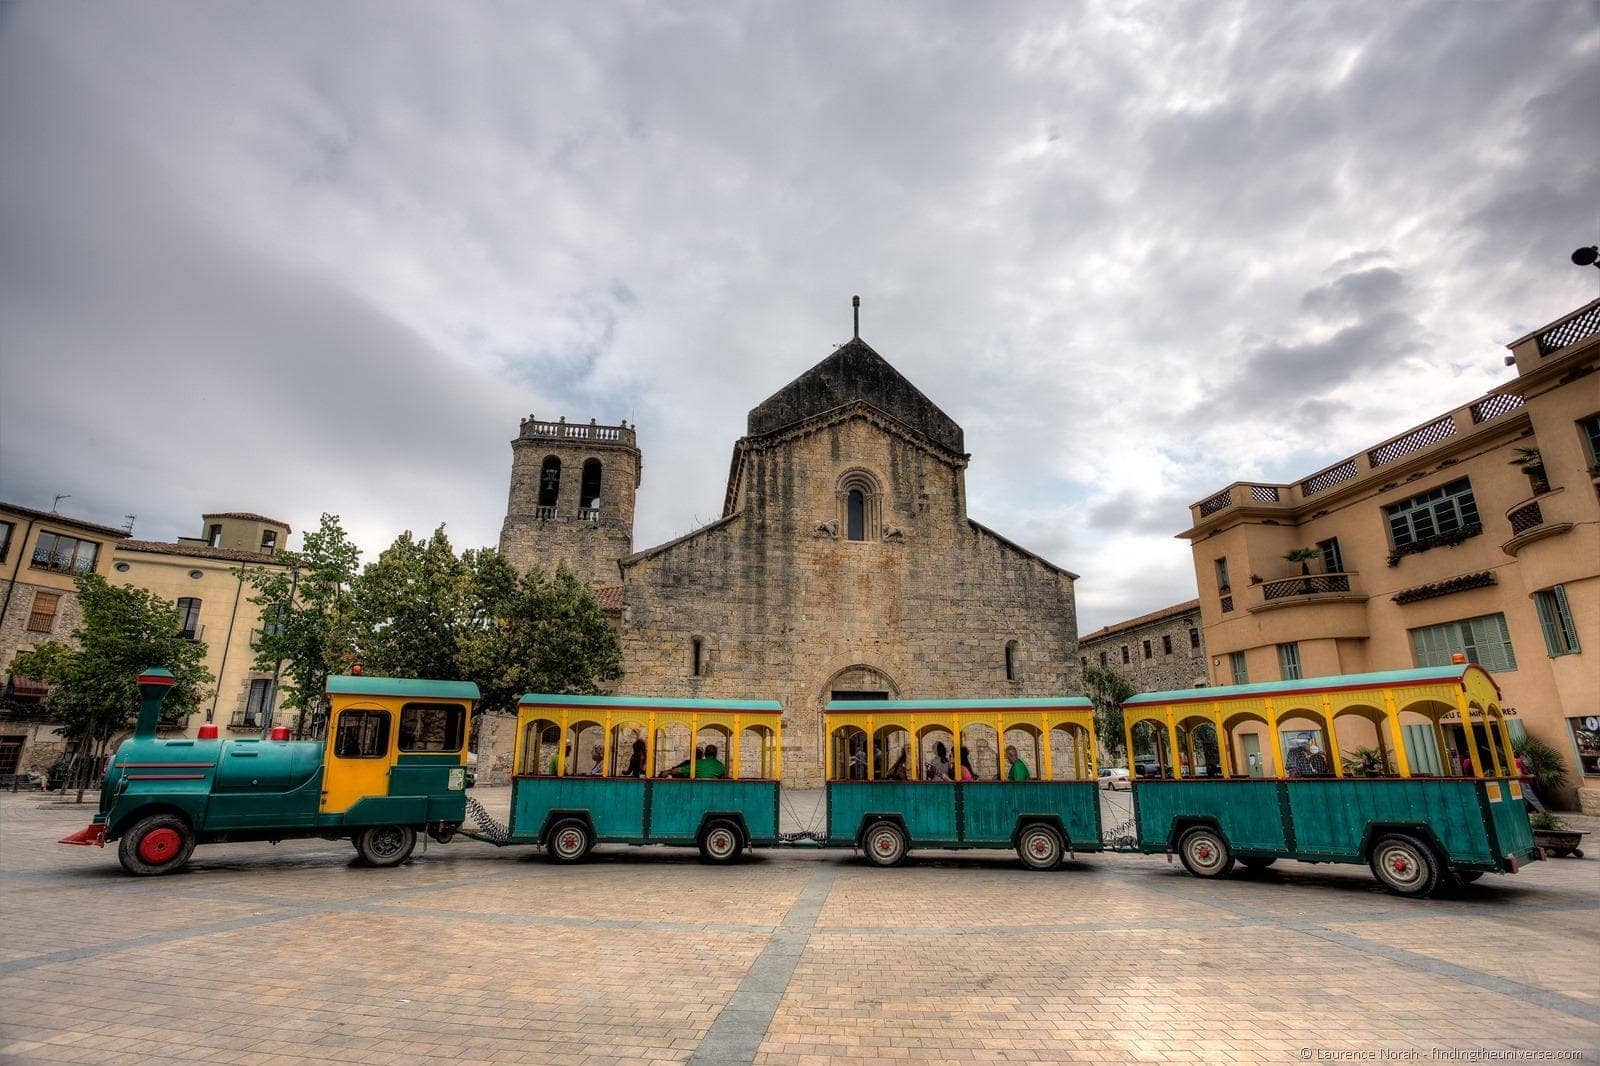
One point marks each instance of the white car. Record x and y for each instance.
(1114, 777)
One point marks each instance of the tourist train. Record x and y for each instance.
(901, 775)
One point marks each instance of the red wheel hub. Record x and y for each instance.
(1400, 866)
(159, 845)
(1205, 851)
(569, 841)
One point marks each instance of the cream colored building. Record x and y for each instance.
(199, 575)
(1433, 543)
(41, 554)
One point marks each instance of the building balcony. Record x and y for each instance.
(1529, 523)
(577, 432)
(1301, 590)
(245, 721)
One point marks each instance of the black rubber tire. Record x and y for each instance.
(1405, 866)
(128, 846)
(570, 841)
(884, 844)
(385, 845)
(1257, 862)
(1205, 853)
(1040, 847)
(720, 842)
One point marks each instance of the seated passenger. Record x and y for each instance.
(967, 773)
(939, 768)
(1019, 769)
(706, 765)
(899, 771)
(598, 754)
(636, 759)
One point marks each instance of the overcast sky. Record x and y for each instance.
(302, 258)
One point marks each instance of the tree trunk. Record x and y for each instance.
(100, 751)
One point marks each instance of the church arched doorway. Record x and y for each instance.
(856, 682)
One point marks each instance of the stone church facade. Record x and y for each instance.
(844, 563)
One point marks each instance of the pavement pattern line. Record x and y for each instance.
(1416, 960)
(740, 1027)
(207, 928)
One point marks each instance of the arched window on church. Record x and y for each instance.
(855, 515)
(549, 483)
(589, 491)
(859, 515)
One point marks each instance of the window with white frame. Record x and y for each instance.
(1445, 509)
(1484, 640)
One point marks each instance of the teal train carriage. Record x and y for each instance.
(394, 766)
(1017, 774)
(635, 770)
(1408, 771)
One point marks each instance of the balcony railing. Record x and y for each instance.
(575, 431)
(245, 720)
(62, 564)
(1566, 333)
(1305, 585)
(545, 514)
(1524, 518)
(197, 633)
(588, 514)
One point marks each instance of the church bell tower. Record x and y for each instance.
(572, 493)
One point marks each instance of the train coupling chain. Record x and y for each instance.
(487, 825)
(804, 836)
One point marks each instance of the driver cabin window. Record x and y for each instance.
(362, 735)
(432, 727)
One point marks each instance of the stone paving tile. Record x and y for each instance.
(918, 895)
(474, 954)
(1132, 995)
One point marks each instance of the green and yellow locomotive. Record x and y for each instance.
(394, 766)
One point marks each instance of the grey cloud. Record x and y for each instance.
(294, 270)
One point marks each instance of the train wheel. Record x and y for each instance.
(884, 844)
(1205, 853)
(570, 840)
(1405, 865)
(720, 842)
(1040, 848)
(1257, 862)
(159, 844)
(385, 845)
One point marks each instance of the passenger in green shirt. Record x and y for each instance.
(706, 766)
(1019, 769)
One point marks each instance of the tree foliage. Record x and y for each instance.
(1107, 689)
(410, 608)
(93, 687)
(305, 613)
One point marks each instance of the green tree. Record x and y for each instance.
(411, 609)
(93, 687)
(305, 615)
(548, 634)
(1107, 690)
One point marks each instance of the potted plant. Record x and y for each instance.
(1546, 772)
(1531, 462)
(1553, 835)
(1303, 556)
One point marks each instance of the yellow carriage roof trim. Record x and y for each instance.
(1425, 675)
(1065, 703)
(649, 703)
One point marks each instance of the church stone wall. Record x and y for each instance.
(587, 545)
(788, 609)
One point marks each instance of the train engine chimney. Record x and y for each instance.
(154, 684)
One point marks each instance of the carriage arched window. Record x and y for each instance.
(860, 516)
(549, 481)
(589, 486)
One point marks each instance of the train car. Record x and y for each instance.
(394, 766)
(633, 770)
(944, 774)
(1431, 795)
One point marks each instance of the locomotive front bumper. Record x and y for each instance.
(94, 834)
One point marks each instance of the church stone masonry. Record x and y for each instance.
(844, 563)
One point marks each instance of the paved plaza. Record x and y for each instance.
(262, 953)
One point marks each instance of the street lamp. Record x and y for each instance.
(1587, 256)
